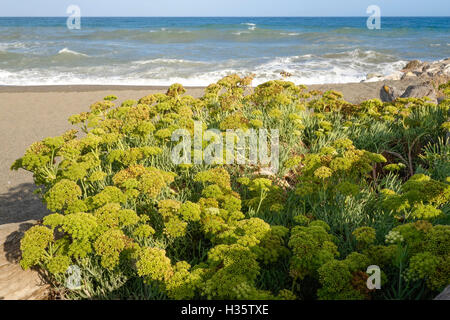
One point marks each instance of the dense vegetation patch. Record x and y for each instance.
(358, 185)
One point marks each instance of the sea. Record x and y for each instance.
(197, 51)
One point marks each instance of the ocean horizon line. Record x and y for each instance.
(112, 16)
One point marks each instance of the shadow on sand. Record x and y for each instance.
(20, 204)
(11, 246)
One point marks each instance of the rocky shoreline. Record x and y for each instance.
(428, 75)
(435, 70)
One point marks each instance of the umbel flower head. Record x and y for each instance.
(109, 246)
(311, 246)
(62, 194)
(33, 245)
(147, 181)
(154, 265)
(419, 198)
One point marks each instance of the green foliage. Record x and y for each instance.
(358, 185)
(312, 246)
(419, 198)
(33, 245)
(153, 264)
(108, 246)
(365, 236)
(62, 194)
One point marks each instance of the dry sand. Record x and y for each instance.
(29, 114)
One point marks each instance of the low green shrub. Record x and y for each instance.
(358, 185)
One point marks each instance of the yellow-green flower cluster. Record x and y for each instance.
(311, 247)
(264, 195)
(344, 279)
(109, 246)
(62, 194)
(336, 167)
(419, 198)
(58, 264)
(153, 264)
(33, 245)
(139, 180)
(365, 236)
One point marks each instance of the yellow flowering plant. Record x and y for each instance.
(358, 185)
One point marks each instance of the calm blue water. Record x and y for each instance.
(198, 51)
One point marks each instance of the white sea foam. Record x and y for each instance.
(168, 61)
(251, 26)
(238, 33)
(68, 51)
(341, 67)
(4, 46)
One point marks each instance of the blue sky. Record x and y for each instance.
(225, 7)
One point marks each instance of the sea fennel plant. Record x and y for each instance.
(358, 185)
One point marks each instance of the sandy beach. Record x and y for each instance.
(31, 113)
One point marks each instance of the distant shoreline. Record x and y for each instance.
(81, 88)
(348, 89)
